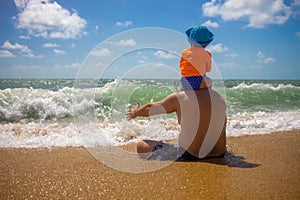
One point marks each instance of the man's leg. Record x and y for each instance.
(145, 147)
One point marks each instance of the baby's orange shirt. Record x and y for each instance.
(195, 61)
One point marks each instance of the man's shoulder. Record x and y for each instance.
(181, 95)
(194, 93)
(171, 98)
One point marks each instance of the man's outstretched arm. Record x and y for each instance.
(165, 106)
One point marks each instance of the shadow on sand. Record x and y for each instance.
(230, 160)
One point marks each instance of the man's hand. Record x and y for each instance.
(131, 113)
(167, 105)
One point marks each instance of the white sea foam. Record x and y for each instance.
(262, 122)
(264, 86)
(32, 135)
(45, 134)
(33, 118)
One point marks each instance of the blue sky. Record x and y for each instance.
(54, 39)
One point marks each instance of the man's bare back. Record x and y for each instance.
(201, 115)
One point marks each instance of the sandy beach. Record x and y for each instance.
(258, 167)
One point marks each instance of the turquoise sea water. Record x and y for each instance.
(50, 106)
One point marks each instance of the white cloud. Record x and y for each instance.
(164, 55)
(233, 55)
(257, 13)
(23, 49)
(49, 20)
(50, 45)
(25, 37)
(99, 64)
(124, 24)
(102, 52)
(211, 24)
(96, 30)
(58, 51)
(228, 65)
(123, 43)
(73, 66)
(261, 58)
(217, 48)
(255, 66)
(8, 45)
(6, 54)
(21, 4)
(141, 61)
(67, 66)
(296, 3)
(26, 67)
(298, 34)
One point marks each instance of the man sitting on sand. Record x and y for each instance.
(202, 117)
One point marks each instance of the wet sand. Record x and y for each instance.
(258, 167)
